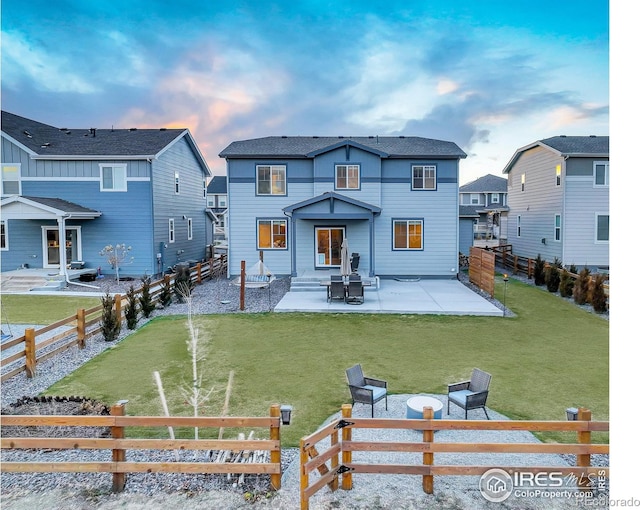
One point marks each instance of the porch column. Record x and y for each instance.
(372, 251)
(292, 241)
(62, 245)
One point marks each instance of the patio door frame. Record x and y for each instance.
(76, 245)
(322, 255)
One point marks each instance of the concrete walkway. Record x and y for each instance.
(437, 297)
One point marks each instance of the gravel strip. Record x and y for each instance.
(196, 492)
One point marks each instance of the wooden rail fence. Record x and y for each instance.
(267, 450)
(339, 453)
(85, 323)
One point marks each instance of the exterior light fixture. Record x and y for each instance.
(572, 413)
(285, 414)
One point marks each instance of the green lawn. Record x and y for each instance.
(26, 309)
(553, 355)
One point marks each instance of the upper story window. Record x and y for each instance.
(557, 228)
(272, 180)
(176, 178)
(204, 189)
(222, 200)
(495, 198)
(522, 179)
(601, 173)
(475, 198)
(189, 229)
(113, 177)
(4, 244)
(558, 175)
(602, 228)
(11, 179)
(407, 234)
(423, 177)
(347, 176)
(518, 226)
(272, 234)
(211, 201)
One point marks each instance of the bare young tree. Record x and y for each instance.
(117, 256)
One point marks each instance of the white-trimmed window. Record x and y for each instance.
(518, 225)
(475, 198)
(558, 175)
(557, 227)
(423, 177)
(602, 228)
(176, 180)
(495, 198)
(189, 229)
(204, 189)
(113, 177)
(272, 234)
(347, 176)
(271, 180)
(4, 239)
(211, 201)
(522, 180)
(601, 173)
(222, 200)
(172, 230)
(407, 234)
(11, 179)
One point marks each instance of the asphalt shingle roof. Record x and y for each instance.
(486, 184)
(569, 145)
(304, 146)
(62, 205)
(46, 140)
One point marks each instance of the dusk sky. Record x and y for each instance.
(491, 76)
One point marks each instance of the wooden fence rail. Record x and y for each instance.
(85, 323)
(267, 451)
(342, 464)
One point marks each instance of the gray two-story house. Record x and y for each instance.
(297, 198)
(559, 200)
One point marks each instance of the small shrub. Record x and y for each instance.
(131, 310)
(598, 297)
(552, 276)
(538, 271)
(182, 283)
(581, 287)
(166, 292)
(110, 325)
(146, 301)
(566, 284)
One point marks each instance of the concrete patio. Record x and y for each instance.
(437, 297)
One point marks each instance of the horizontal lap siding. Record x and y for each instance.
(438, 210)
(189, 202)
(583, 202)
(537, 205)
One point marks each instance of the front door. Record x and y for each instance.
(328, 246)
(51, 249)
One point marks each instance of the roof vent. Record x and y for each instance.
(284, 136)
(592, 136)
(563, 136)
(163, 129)
(29, 135)
(401, 136)
(45, 145)
(133, 129)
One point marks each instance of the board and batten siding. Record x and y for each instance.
(537, 205)
(190, 202)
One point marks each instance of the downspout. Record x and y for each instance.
(63, 253)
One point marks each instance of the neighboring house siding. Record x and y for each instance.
(583, 202)
(466, 235)
(537, 205)
(189, 202)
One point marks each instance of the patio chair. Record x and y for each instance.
(365, 390)
(355, 291)
(471, 394)
(336, 290)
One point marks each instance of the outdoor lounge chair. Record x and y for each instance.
(365, 390)
(336, 291)
(471, 394)
(355, 291)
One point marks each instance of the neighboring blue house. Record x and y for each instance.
(483, 212)
(217, 211)
(145, 188)
(395, 200)
(559, 200)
